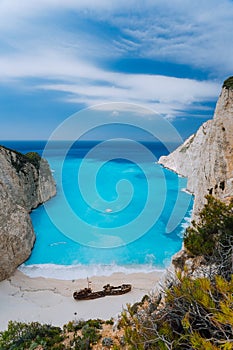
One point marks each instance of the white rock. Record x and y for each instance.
(206, 158)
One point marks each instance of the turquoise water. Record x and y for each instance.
(57, 255)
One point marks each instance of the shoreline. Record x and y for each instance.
(81, 272)
(47, 300)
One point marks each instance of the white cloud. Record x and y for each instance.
(14, 12)
(194, 33)
(42, 46)
(83, 82)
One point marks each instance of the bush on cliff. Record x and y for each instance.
(212, 235)
(195, 313)
(34, 158)
(228, 83)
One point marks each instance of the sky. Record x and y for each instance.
(60, 57)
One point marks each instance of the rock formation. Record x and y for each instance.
(206, 158)
(25, 182)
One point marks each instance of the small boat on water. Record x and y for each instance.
(108, 290)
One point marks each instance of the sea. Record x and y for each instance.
(116, 210)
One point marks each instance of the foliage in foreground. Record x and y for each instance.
(196, 313)
(21, 336)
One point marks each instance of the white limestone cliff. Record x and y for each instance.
(24, 184)
(206, 158)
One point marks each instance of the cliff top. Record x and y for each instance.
(31, 157)
(228, 83)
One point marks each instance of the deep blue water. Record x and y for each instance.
(74, 249)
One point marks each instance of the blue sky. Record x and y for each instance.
(57, 57)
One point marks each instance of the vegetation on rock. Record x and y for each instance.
(197, 314)
(34, 158)
(194, 313)
(228, 83)
(20, 160)
(77, 335)
(212, 236)
(20, 336)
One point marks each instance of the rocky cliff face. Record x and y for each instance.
(25, 182)
(206, 158)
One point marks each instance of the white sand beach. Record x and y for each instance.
(28, 299)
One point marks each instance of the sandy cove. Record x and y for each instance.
(45, 300)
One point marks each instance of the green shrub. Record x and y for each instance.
(96, 323)
(228, 83)
(81, 344)
(29, 335)
(70, 327)
(74, 326)
(214, 227)
(197, 314)
(34, 158)
(110, 322)
(90, 333)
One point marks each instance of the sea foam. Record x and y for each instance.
(69, 272)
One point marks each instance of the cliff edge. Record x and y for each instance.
(25, 182)
(206, 158)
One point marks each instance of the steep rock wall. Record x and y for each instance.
(206, 158)
(25, 182)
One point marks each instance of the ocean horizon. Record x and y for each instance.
(58, 254)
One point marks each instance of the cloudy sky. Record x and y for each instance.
(57, 57)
